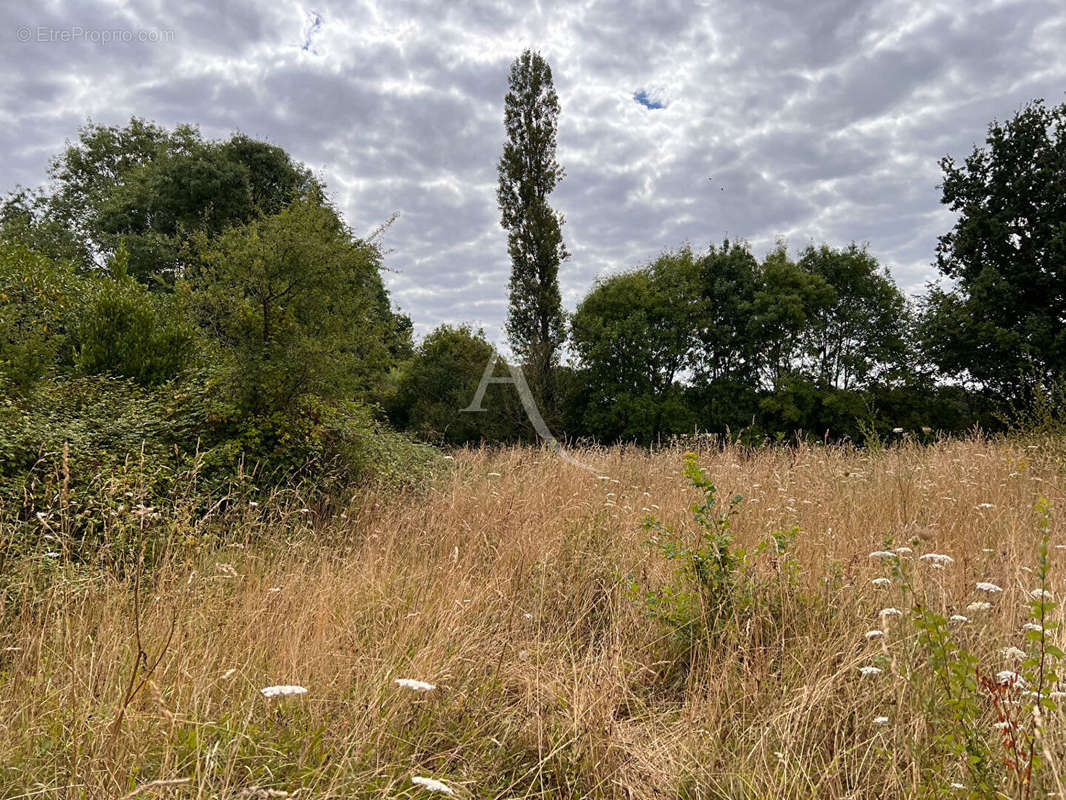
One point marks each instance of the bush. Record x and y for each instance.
(37, 303)
(124, 330)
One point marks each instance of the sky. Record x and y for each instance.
(809, 121)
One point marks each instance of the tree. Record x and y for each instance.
(787, 300)
(149, 190)
(634, 335)
(858, 337)
(528, 172)
(1005, 315)
(297, 307)
(439, 382)
(728, 281)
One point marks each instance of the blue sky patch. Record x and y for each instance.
(648, 100)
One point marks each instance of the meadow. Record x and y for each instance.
(572, 643)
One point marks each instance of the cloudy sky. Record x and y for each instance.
(681, 122)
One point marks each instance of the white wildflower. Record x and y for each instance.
(1040, 594)
(890, 612)
(897, 430)
(883, 554)
(282, 691)
(882, 582)
(978, 605)
(937, 559)
(904, 550)
(869, 671)
(253, 504)
(880, 720)
(984, 505)
(991, 588)
(414, 685)
(1001, 725)
(432, 785)
(957, 785)
(1032, 626)
(874, 634)
(958, 618)
(1013, 653)
(1007, 677)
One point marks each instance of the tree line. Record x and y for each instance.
(206, 298)
(821, 342)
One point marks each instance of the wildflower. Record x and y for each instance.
(958, 618)
(978, 605)
(883, 555)
(880, 720)
(904, 550)
(869, 671)
(1040, 594)
(984, 505)
(52, 554)
(1007, 677)
(413, 685)
(1002, 725)
(253, 504)
(985, 586)
(897, 430)
(874, 634)
(274, 589)
(937, 559)
(432, 785)
(890, 612)
(882, 582)
(956, 785)
(1032, 626)
(1013, 652)
(282, 691)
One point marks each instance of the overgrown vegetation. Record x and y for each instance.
(506, 586)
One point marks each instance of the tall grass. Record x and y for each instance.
(507, 585)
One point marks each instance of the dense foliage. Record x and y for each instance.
(202, 302)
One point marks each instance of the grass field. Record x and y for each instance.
(519, 586)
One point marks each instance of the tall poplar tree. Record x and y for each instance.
(528, 173)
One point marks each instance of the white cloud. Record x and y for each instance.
(820, 121)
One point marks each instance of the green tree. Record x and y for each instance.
(148, 190)
(728, 281)
(297, 307)
(528, 172)
(787, 301)
(635, 334)
(1005, 313)
(859, 336)
(439, 382)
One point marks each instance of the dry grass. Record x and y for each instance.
(508, 592)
